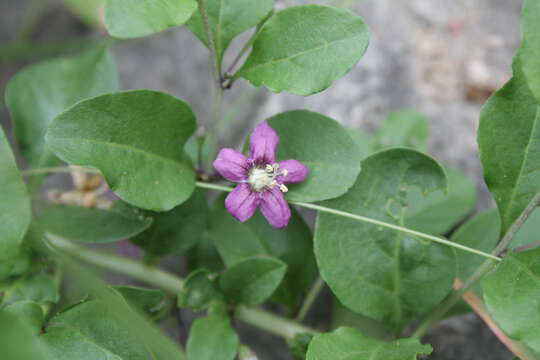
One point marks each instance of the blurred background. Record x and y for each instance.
(441, 57)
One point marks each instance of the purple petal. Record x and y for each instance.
(296, 171)
(275, 208)
(232, 165)
(242, 202)
(263, 144)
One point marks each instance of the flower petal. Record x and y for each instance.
(263, 144)
(275, 208)
(296, 171)
(242, 202)
(232, 165)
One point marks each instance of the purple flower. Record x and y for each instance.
(261, 179)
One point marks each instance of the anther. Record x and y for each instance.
(283, 188)
(284, 172)
(269, 168)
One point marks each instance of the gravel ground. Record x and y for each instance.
(442, 57)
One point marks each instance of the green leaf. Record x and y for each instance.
(17, 265)
(530, 45)
(304, 49)
(438, 212)
(529, 232)
(509, 141)
(378, 272)
(15, 212)
(512, 295)
(252, 281)
(30, 311)
(212, 338)
(40, 92)
(227, 19)
(350, 344)
(324, 146)
(136, 139)
(19, 341)
(137, 18)
(198, 292)
(293, 245)
(298, 346)
(177, 230)
(39, 287)
(89, 331)
(342, 316)
(149, 301)
(481, 233)
(404, 128)
(94, 225)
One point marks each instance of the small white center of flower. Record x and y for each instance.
(264, 178)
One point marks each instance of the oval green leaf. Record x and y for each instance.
(15, 212)
(324, 146)
(149, 301)
(138, 18)
(136, 139)
(40, 92)
(227, 19)
(199, 291)
(252, 281)
(94, 225)
(509, 142)
(304, 49)
(349, 344)
(293, 245)
(512, 295)
(382, 273)
(212, 338)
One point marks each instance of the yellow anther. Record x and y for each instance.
(284, 172)
(283, 188)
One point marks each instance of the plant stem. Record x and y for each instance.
(395, 227)
(478, 306)
(368, 220)
(173, 284)
(310, 299)
(319, 208)
(211, 44)
(480, 272)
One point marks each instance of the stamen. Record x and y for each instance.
(283, 188)
(284, 172)
(269, 168)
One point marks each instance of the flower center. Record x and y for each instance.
(262, 179)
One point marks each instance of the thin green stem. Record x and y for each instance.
(173, 284)
(319, 208)
(211, 44)
(396, 227)
(369, 220)
(311, 296)
(445, 306)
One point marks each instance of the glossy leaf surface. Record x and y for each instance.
(137, 18)
(350, 344)
(304, 49)
(378, 272)
(136, 139)
(509, 141)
